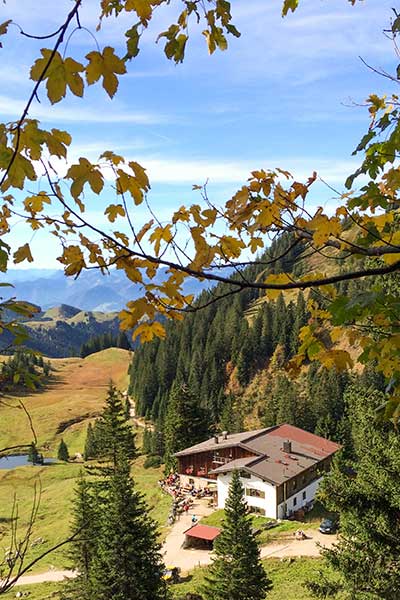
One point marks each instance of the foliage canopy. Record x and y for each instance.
(363, 236)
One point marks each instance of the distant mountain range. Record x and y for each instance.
(91, 291)
(60, 331)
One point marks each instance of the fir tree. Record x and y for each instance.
(236, 572)
(86, 515)
(62, 452)
(90, 451)
(124, 561)
(127, 564)
(366, 494)
(33, 455)
(184, 423)
(147, 441)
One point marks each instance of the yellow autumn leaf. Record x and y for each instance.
(147, 331)
(390, 259)
(128, 183)
(182, 214)
(82, 173)
(122, 237)
(23, 253)
(140, 175)
(324, 227)
(278, 279)
(58, 75)
(34, 204)
(143, 9)
(231, 247)
(160, 234)
(105, 65)
(339, 359)
(113, 210)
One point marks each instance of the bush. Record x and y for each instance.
(152, 461)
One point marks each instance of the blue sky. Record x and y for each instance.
(282, 95)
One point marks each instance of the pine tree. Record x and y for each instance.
(146, 442)
(86, 519)
(124, 561)
(366, 494)
(90, 451)
(185, 423)
(236, 572)
(62, 452)
(33, 455)
(127, 564)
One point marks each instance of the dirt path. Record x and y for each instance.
(173, 554)
(47, 576)
(291, 547)
(187, 560)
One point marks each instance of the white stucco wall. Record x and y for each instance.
(268, 504)
(310, 492)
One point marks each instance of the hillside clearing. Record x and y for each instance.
(74, 394)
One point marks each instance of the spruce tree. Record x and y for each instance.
(33, 455)
(62, 453)
(236, 572)
(185, 423)
(127, 564)
(86, 515)
(124, 562)
(366, 494)
(89, 451)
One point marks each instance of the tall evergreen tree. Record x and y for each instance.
(124, 562)
(236, 572)
(127, 564)
(34, 456)
(366, 494)
(62, 452)
(184, 423)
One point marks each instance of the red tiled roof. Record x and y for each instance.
(321, 446)
(204, 532)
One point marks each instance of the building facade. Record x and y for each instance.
(280, 467)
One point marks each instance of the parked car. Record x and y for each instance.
(171, 574)
(328, 526)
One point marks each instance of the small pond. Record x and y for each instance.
(20, 460)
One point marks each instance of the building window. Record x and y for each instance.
(304, 495)
(294, 501)
(245, 474)
(255, 493)
(257, 509)
(191, 481)
(294, 484)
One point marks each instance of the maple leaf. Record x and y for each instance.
(34, 204)
(106, 65)
(113, 211)
(23, 253)
(58, 74)
(143, 9)
(147, 331)
(84, 172)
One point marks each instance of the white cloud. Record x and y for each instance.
(12, 107)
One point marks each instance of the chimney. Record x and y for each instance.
(225, 435)
(287, 446)
(216, 439)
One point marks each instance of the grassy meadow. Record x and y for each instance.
(74, 396)
(75, 392)
(289, 581)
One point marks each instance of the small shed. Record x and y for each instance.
(201, 536)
